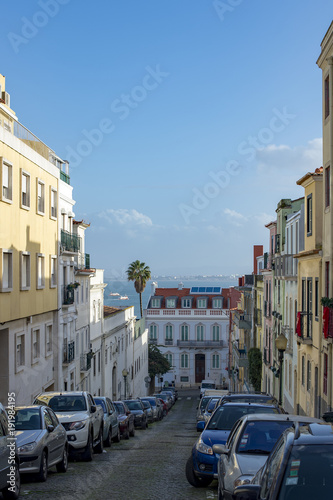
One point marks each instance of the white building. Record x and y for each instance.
(96, 330)
(190, 327)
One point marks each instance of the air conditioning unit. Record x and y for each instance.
(6, 98)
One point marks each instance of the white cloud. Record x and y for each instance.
(234, 214)
(125, 217)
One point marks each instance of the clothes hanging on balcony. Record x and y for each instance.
(326, 318)
(299, 325)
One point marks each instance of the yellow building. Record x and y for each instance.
(309, 325)
(325, 63)
(29, 176)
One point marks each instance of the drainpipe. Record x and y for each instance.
(330, 253)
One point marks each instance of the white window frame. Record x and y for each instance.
(53, 203)
(216, 361)
(202, 301)
(217, 300)
(8, 179)
(35, 340)
(184, 360)
(48, 339)
(184, 333)
(214, 328)
(53, 271)
(168, 332)
(169, 358)
(155, 303)
(24, 173)
(25, 270)
(20, 353)
(200, 332)
(6, 286)
(153, 332)
(40, 283)
(170, 303)
(40, 198)
(186, 303)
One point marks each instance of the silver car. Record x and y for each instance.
(10, 482)
(250, 442)
(41, 441)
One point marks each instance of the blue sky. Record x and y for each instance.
(184, 121)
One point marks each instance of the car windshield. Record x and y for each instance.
(225, 416)
(204, 402)
(119, 407)
(134, 405)
(260, 436)
(211, 404)
(309, 473)
(165, 397)
(27, 419)
(146, 404)
(206, 385)
(152, 402)
(67, 403)
(101, 403)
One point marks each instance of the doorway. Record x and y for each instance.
(200, 368)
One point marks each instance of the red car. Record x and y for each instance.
(165, 407)
(125, 419)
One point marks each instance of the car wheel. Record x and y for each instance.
(116, 439)
(13, 495)
(63, 465)
(144, 425)
(108, 440)
(127, 434)
(132, 432)
(42, 474)
(99, 446)
(88, 452)
(219, 493)
(193, 479)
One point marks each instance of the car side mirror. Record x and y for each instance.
(93, 408)
(50, 428)
(221, 449)
(247, 492)
(200, 425)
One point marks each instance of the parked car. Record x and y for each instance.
(125, 419)
(166, 398)
(211, 406)
(171, 388)
(201, 467)
(41, 441)
(156, 407)
(148, 410)
(251, 440)
(10, 482)
(171, 394)
(81, 417)
(136, 407)
(250, 397)
(299, 467)
(165, 408)
(201, 408)
(111, 431)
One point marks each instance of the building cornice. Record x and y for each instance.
(326, 45)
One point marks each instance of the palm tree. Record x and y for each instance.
(139, 273)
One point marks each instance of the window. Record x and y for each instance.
(216, 333)
(40, 197)
(25, 190)
(169, 358)
(153, 332)
(20, 351)
(186, 303)
(6, 181)
(200, 333)
(168, 332)
(25, 270)
(308, 376)
(327, 279)
(325, 374)
(48, 340)
(35, 344)
(217, 303)
(316, 297)
(327, 186)
(40, 271)
(327, 96)
(155, 302)
(7, 270)
(309, 215)
(184, 332)
(303, 295)
(201, 303)
(216, 361)
(53, 271)
(53, 201)
(303, 371)
(184, 379)
(170, 303)
(184, 361)
(309, 307)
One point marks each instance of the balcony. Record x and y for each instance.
(85, 362)
(152, 341)
(258, 317)
(286, 265)
(242, 321)
(277, 244)
(168, 342)
(68, 352)
(180, 313)
(202, 344)
(67, 295)
(305, 329)
(70, 242)
(240, 355)
(267, 309)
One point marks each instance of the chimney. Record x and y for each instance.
(153, 287)
(258, 250)
(180, 286)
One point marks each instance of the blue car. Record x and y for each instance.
(201, 467)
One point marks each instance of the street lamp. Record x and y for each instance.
(281, 344)
(125, 373)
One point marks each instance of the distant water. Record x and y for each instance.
(126, 288)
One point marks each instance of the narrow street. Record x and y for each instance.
(149, 466)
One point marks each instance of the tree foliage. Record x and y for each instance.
(158, 364)
(139, 273)
(255, 367)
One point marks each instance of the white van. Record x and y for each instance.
(206, 384)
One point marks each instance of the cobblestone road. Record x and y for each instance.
(150, 466)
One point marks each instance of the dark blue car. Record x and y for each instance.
(201, 467)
